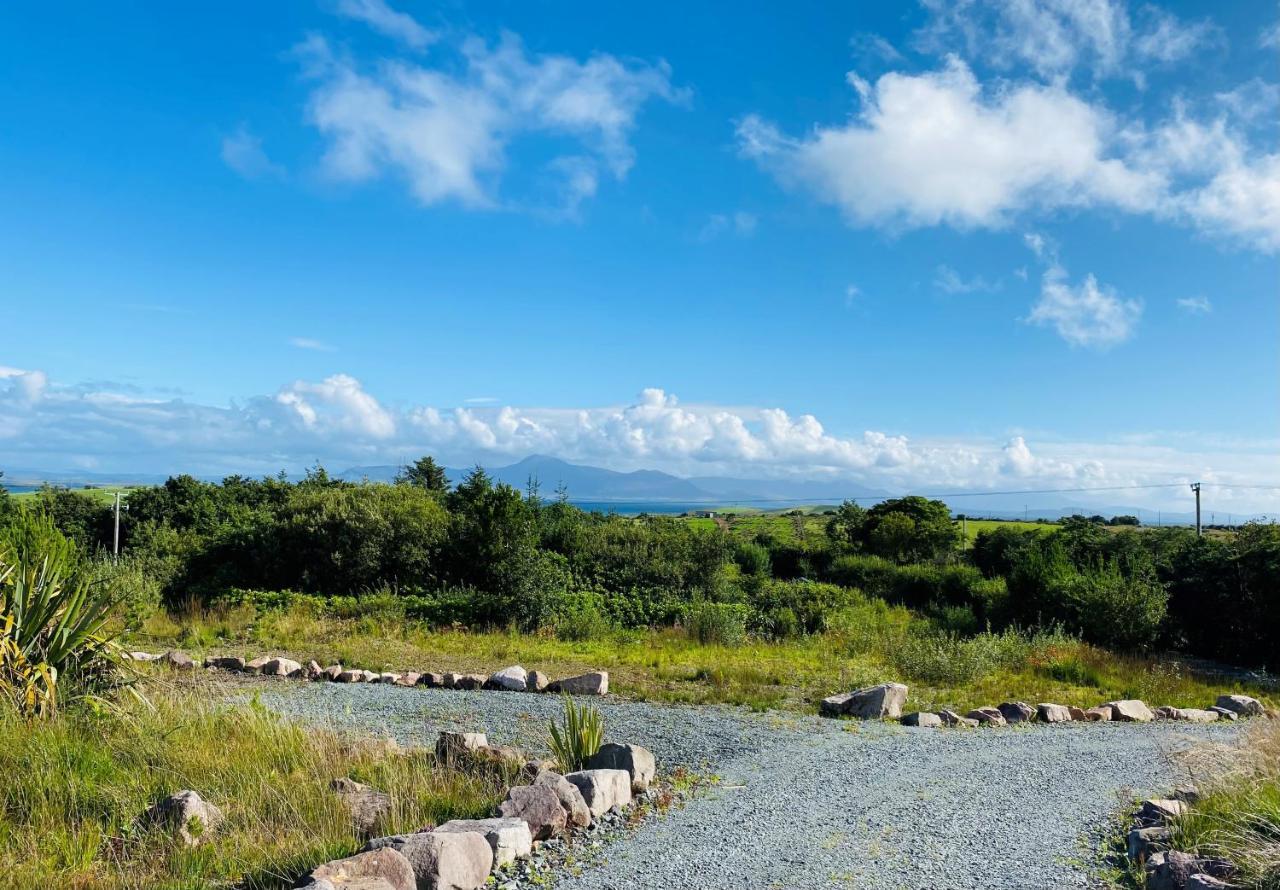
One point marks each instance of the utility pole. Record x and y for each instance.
(115, 543)
(1195, 486)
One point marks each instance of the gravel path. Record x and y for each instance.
(805, 802)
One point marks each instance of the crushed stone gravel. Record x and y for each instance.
(804, 802)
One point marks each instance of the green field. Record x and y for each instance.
(105, 493)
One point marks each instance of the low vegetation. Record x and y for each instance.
(577, 737)
(75, 784)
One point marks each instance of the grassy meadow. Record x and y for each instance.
(74, 786)
(880, 643)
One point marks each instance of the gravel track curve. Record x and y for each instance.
(806, 803)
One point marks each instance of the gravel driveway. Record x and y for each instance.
(807, 803)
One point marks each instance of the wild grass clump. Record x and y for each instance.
(577, 739)
(73, 787)
(1238, 819)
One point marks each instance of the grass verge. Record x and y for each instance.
(74, 785)
(666, 665)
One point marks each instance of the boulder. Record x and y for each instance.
(1142, 842)
(371, 870)
(1130, 710)
(1196, 715)
(951, 718)
(922, 719)
(537, 682)
(254, 666)
(313, 671)
(1051, 713)
(332, 672)
(874, 702)
(355, 675)
(510, 839)
(454, 745)
(1161, 811)
(142, 656)
(1225, 713)
(987, 716)
(366, 805)
(504, 756)
(225, 662)
(281, 667)
(1017, 712)
(431, 680)
(448, 681)
(1188, 794)
(1206, 882)
(451, 860)
(638, 762)
(186, 816)
(602, 789)
(385, 677)
(1241, 704)
(1173, 870)
(538, 806)
(1100, 714)
(180, 661)
(469, 681)
(575, 807)
(511, 679)
(534, 768)
(408, 679)
(1077, 713)
(594, 683)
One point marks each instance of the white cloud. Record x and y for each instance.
(446, 130)
(851, 294)
(949, 281)
(874, 47)
(739, 223)
(1270, 37)
(1056, 37)
(310, 343)
(934, 149)
(242, 152)
(1195, 305)
(49, 426)
(1085, 315)
(388, 22)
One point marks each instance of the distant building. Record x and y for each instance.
(704, 514)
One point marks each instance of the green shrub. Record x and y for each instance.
(576, 740)
(721, 623)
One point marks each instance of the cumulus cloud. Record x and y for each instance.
(337, 420)
(1195, 305)
(1057, 37)
(949, 281)
(388, 22)
(935, 148)
(1087, 314)
(242, 152)
(445, 130)
(717, 224)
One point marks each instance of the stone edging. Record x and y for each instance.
(1148, 846)
(887, 699)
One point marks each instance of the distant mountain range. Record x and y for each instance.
(584, 483)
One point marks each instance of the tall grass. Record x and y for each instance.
(73, 787)
(1238, 819)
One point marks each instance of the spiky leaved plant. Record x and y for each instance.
(579, 737)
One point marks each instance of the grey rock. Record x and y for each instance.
(1173, 870)
(1077, 713)
(638, 762)
(368, 870)
(1161, 811)
(1225, 713)
(1196, 715)
(1017, 712)
(451, 746)
(951, 718)
(1206, 882)
(1241, 704)
(537, 682)
(186, 816)
(281, 667)
(313, 671)
(254, 666)
(333, 671)
(142, 656)
(1100, 714)
(452, 860)
(409, 678)
(538, 806)
(1130, 710)
(1143, 841)
(872, 703)
(571, 800)
(1046, 712)
(178, 660)
(510, 679)
(987, 716)
(593, 683)
(448, 681)
(469, 681)
(366, 805)
(431, 680)
(602, 789)
(510, 839)
(923, 719)
(225, 662)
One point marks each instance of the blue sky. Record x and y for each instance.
(947, 244)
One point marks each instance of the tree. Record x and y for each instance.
(930, 533)
(424, 473)
(844, 528)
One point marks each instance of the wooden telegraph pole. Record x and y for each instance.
(115, 543)
(1195, 486)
